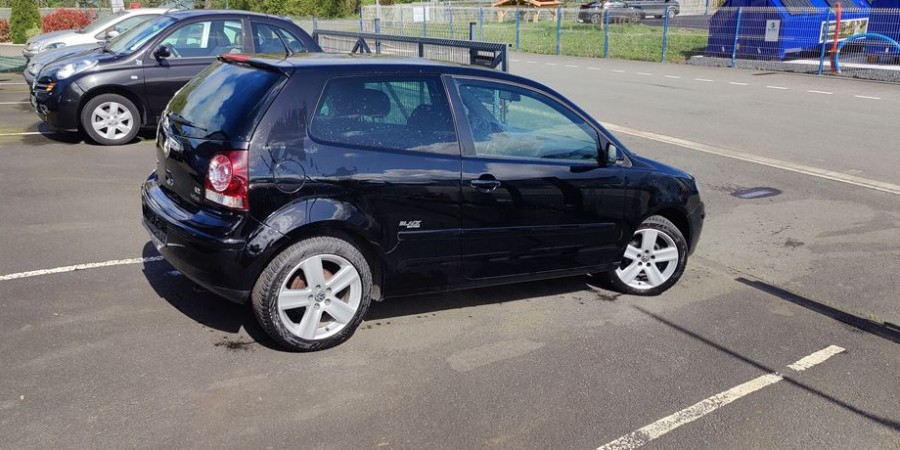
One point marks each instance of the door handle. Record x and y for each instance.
(483, 185)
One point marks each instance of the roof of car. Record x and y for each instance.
(187, 13)
(376, 63)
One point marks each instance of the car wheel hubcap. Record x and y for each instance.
(320, 297)
(112, 120)
(650, 259)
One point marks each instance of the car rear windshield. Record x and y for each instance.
(223, 102)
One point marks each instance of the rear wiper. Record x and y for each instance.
(177, 118)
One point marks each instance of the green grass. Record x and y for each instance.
(626, 41)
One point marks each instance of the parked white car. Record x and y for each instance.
(101, 30)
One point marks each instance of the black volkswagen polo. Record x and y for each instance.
(111, 92)
(312, 185)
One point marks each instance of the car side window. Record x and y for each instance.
(397, 113)
(266, 39)
(293, 42)
(515, 122)
(205, 39)
(130, 23)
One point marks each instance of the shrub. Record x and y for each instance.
(24, 17)
(4, 31)
(65, 19)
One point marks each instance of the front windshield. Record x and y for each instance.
(134, 38)
(100, 23)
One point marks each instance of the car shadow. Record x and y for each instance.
(215, 312)
(200, 305)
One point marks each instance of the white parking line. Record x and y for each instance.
(530, 62)
(764, 161)
(27, 133)
(514, 60)
(573, 67)
(594, 68)
(618, 71)
(673, 76)
(867, 97)
(737, 84)
(116, 262)
(4, 83)
(702, 79)
(816, 358)
(13, 103)
(777, 87)
(644, 73)
(820, 92)
(551, 64)
(656, 429)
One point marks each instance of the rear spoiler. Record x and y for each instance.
(232, 58)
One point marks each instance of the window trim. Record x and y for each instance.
(468, 142)
(385, 76)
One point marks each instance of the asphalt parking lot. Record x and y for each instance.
(782, 334)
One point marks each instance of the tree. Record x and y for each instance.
(24, 18)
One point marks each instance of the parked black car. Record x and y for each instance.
(311, 185)
(113, 91)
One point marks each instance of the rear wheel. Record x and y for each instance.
(654, 259)
(314, 294)
(635, 17)
(596, 19)
(110, 119)
(671, 12)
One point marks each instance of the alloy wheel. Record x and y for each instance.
(650, 259)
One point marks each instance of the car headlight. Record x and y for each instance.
(77, 67)
(54, 45)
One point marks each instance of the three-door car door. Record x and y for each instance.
(536, 196)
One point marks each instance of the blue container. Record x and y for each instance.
(785, 29)
(885, 19)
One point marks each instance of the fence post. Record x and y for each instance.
(315, 24)
(605, 33)
(558, 26)
(824, 38)
(401, 19)
(737, 31)
(481, 22)
(706, 13)
(472, 31)
(377, 41)
(450, 8)
(665, 34)
(361, 27)
(424, 21)
(504, 53)
(518, 19)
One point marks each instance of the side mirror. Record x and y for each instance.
(613, 155)
(162, 52)
(111, 34)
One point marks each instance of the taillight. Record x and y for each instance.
(227, 179)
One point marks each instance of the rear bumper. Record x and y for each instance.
(199, 245)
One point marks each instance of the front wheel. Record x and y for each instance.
(314, 294)
(654, 259)
(110, 119)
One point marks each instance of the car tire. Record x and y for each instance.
(110, 119)
(634, 17)
(314, 294)
(596, 19)
(653, 261)
(671, 12)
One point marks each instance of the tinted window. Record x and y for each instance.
(204, 39)
(139, 35)
(270, 38)
(510, 121)
(225, 101)
(409, 113)
(131, 22)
